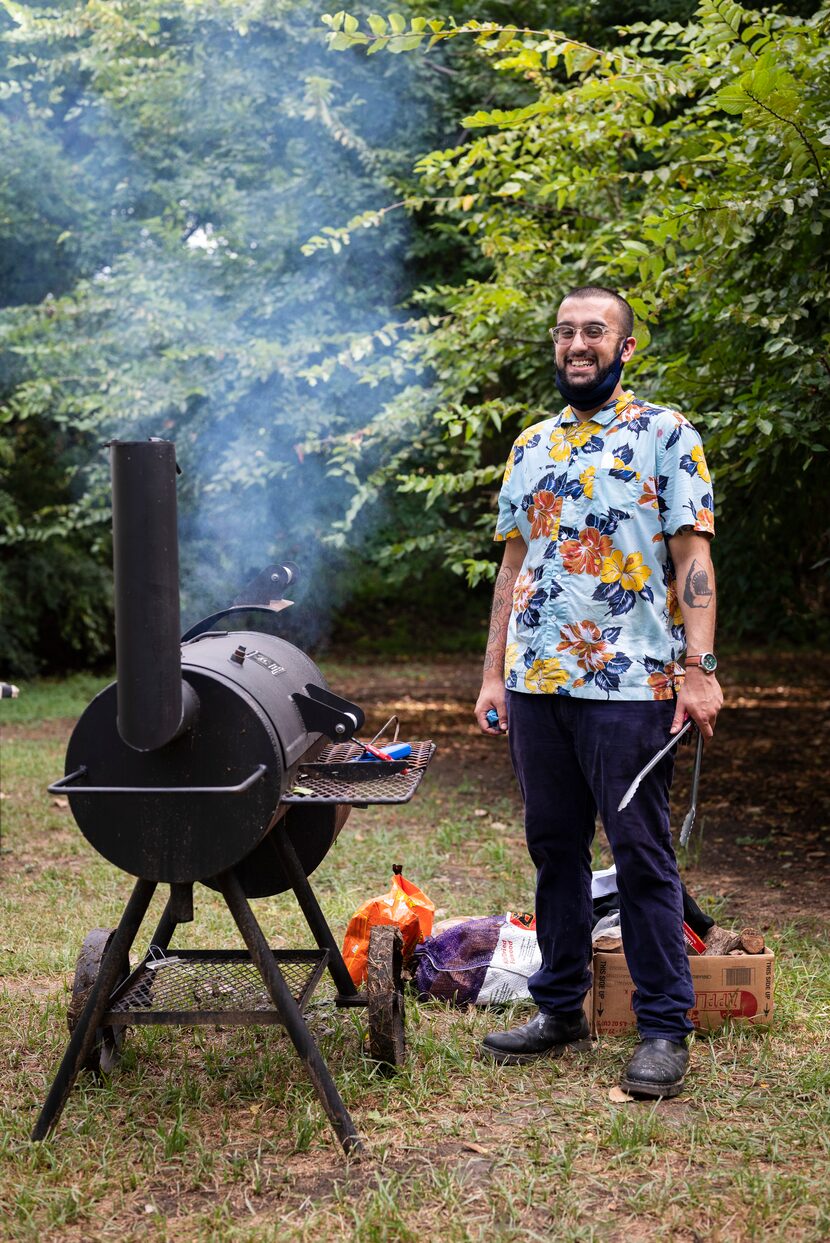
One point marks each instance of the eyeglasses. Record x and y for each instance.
(588, 332)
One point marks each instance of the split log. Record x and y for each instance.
(753, 941)
(721, 941)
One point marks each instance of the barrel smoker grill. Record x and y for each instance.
(221, 758)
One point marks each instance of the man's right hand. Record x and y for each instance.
(493, 696)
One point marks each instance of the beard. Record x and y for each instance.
(585, 392)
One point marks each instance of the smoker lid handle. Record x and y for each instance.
(65, 784)
(207, 623)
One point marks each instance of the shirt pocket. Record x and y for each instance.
(616, 485)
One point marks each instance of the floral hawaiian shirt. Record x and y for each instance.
(595, 607)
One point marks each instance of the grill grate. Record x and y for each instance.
(338, 786)
(210, 986)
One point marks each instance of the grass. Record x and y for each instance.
(217, 1135)
(52, 698)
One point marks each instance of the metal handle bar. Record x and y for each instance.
(235, 610)
(57, 787)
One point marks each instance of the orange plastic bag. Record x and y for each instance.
(404, 905)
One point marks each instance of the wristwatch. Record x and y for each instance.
(707, 661)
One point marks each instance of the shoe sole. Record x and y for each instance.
(522, 1059)
(654, 1091)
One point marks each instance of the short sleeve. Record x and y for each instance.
(684, 483)
(506, 527)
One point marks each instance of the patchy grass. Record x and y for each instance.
(216, 1135)
(50, 699)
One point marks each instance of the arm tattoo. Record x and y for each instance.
(502, 602)
(697, 592)
(501, 597)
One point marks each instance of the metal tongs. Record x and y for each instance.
(690, 814)
(689, 820)
(371, 749)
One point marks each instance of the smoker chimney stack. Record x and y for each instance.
(154, 704)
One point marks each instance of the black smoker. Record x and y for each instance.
(223, 758)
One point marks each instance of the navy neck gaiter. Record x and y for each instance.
(589, 396)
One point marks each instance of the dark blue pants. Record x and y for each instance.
(571, 757)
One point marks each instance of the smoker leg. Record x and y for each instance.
(83, 1036)
(167, 925)
(178, 910)
(289, 1012)
(311, 909)
(181, 903)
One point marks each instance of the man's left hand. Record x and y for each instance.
(701, 698)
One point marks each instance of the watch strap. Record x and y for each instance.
(707, 661)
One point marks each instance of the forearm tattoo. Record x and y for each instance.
(499, 614)
(697, 592)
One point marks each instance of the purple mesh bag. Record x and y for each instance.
(452, 965)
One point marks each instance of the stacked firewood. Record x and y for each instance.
(727, 941)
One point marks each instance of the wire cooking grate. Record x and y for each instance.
(337, 776)
(210, 986)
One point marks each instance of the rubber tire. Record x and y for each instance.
(385, 1000)
(105, 1054)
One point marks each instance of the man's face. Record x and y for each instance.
(584, 362)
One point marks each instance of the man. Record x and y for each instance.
(606, 513)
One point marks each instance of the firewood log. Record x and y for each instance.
(753, 941)
(721, 940)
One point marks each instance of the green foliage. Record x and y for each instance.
(687, 165)
(163, 163)
(211, 229)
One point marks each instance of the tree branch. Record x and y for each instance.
(796, 127)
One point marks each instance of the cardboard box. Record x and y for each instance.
(725, 987)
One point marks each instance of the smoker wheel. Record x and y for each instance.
(106, 1051)
(384, 993)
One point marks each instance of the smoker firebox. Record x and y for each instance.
(222, 759)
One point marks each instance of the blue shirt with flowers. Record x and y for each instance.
(595, 606)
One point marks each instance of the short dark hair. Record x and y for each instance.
(594, 291)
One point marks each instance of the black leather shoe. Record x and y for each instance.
(546, 1035)
(656, 1069)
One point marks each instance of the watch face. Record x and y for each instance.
(708, 662)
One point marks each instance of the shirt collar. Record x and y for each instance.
(606, 415)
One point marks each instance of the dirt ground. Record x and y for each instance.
(762, 837)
